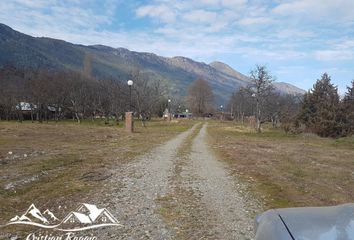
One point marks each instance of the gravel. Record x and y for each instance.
(221, 192)
(144, 180)
(165, 195)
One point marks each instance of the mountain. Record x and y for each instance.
(227, 70)
(33, 214)
(21, 50)
(288, 88)
(282, 87)
(49, 215)
(16, 218)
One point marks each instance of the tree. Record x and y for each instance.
(319, 110)
(347, 111)
(87, 65)
(147, 95)
(289, 106)
(241, 104)
(200, 97)
(12, 92)
(261, 89)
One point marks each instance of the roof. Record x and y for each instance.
(25, 106)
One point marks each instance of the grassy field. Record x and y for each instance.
(288, 170)
(52, 164)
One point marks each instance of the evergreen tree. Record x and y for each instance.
(306, 113)
(320, 108)
(348, 111)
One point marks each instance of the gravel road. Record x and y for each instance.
(179, 190)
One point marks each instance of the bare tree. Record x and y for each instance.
(241, 104)
(87, 65)
(11, 92)
(261, 89)
(58, 94)
(200, 97)
(147, 95)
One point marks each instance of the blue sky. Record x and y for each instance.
(297, 40)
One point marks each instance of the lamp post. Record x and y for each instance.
(222, 112)
(130, 84)
(129, 124)
(169, 109)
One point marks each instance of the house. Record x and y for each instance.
(183, 115)
(96, 215)
(29, 111)
(77, 218)
(105, 217)
(88, 214)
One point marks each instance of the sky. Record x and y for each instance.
(298, 40)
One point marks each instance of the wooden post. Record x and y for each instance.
(129, 124)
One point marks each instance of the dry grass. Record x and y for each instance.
(288, 170)
(59, 164)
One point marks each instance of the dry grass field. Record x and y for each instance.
(62, 164)
(288, 170)
(53, 164)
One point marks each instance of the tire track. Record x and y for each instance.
(220, 192)
(133, 189)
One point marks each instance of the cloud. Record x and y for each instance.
(337, 50)
(34, 16)
(268, 54)
(288, 69)
(200, 16)
(296, 34)
(34, 4)
(260, 21)
(334, 55)
(162, 12)
(318, 10)
(345, 44)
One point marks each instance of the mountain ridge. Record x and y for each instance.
(21, 50)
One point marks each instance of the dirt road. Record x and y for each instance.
(180, 190)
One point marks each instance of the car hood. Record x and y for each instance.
(319, 223)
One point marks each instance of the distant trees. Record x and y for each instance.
(47, 94)
(242, 104)
(320, 110)
(258, 99)
(149, 96)
(200, 97)
(12, 89)
(276, 108)
(288, 109)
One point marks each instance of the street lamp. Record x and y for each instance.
(222, 112)
(169, 109)
(129, 124)
(130, 84)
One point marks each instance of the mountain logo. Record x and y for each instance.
(86, 216)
